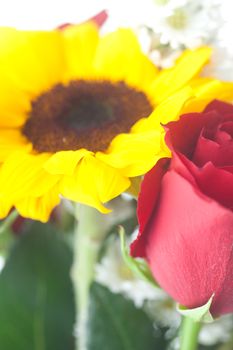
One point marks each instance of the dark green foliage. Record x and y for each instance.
(37, 310)
(114, 323)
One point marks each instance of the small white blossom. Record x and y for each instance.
(222, 58)
(221, 63)
(114, 274)
(163, 312)
(225, 33)
(179, 23)
(217, 332)
(190, 25)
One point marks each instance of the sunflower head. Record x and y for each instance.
(84, 114)
(81, 115)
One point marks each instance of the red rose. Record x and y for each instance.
(185, 211)
(98, 19)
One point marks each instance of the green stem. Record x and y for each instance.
(6, 235)
(189, 334)
(8, 221)
(89, 234)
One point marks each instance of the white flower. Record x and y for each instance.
(217, 332)
(179, 23)
(220, 66)
(190, 25)
(114, 274)
(163, 312)
(221, 62)
(225, 33)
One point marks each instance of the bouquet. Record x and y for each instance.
(116, 178)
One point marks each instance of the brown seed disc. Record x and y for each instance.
(84, 114)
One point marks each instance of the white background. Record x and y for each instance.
(46, 14)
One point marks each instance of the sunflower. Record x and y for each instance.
(80, 115)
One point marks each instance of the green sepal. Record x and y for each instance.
(138, 266)
(199, 314)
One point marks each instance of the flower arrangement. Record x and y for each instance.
(116, 179)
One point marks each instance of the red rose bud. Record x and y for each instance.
(185, 211)
(98, 19)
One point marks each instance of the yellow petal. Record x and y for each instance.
(93, 183)
(226, 92)
(5, 207)
(12, 140)
(80, 44)
(186, 68)
(33, 60)
(109, 182)
(135, 154)
(64, 162)
(119, 57)
(147, 72)
(206, 90)
(14, 103)
(169, 109)
(38, 208)
(22, 175)
(134, 188)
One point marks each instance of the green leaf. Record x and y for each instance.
(36, 296)
(138, 266)
(115, 323)
(199, 314)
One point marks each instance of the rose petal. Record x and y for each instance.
(221, 136)
(100, 18)
(147, 199)
(208, 150)
(214, 182)
(222, 108)
(189, 246)
(182, 136)
(228, 127)
(228, 168)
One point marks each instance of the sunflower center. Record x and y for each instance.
(84, 114)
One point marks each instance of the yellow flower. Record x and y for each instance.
(80, 115)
